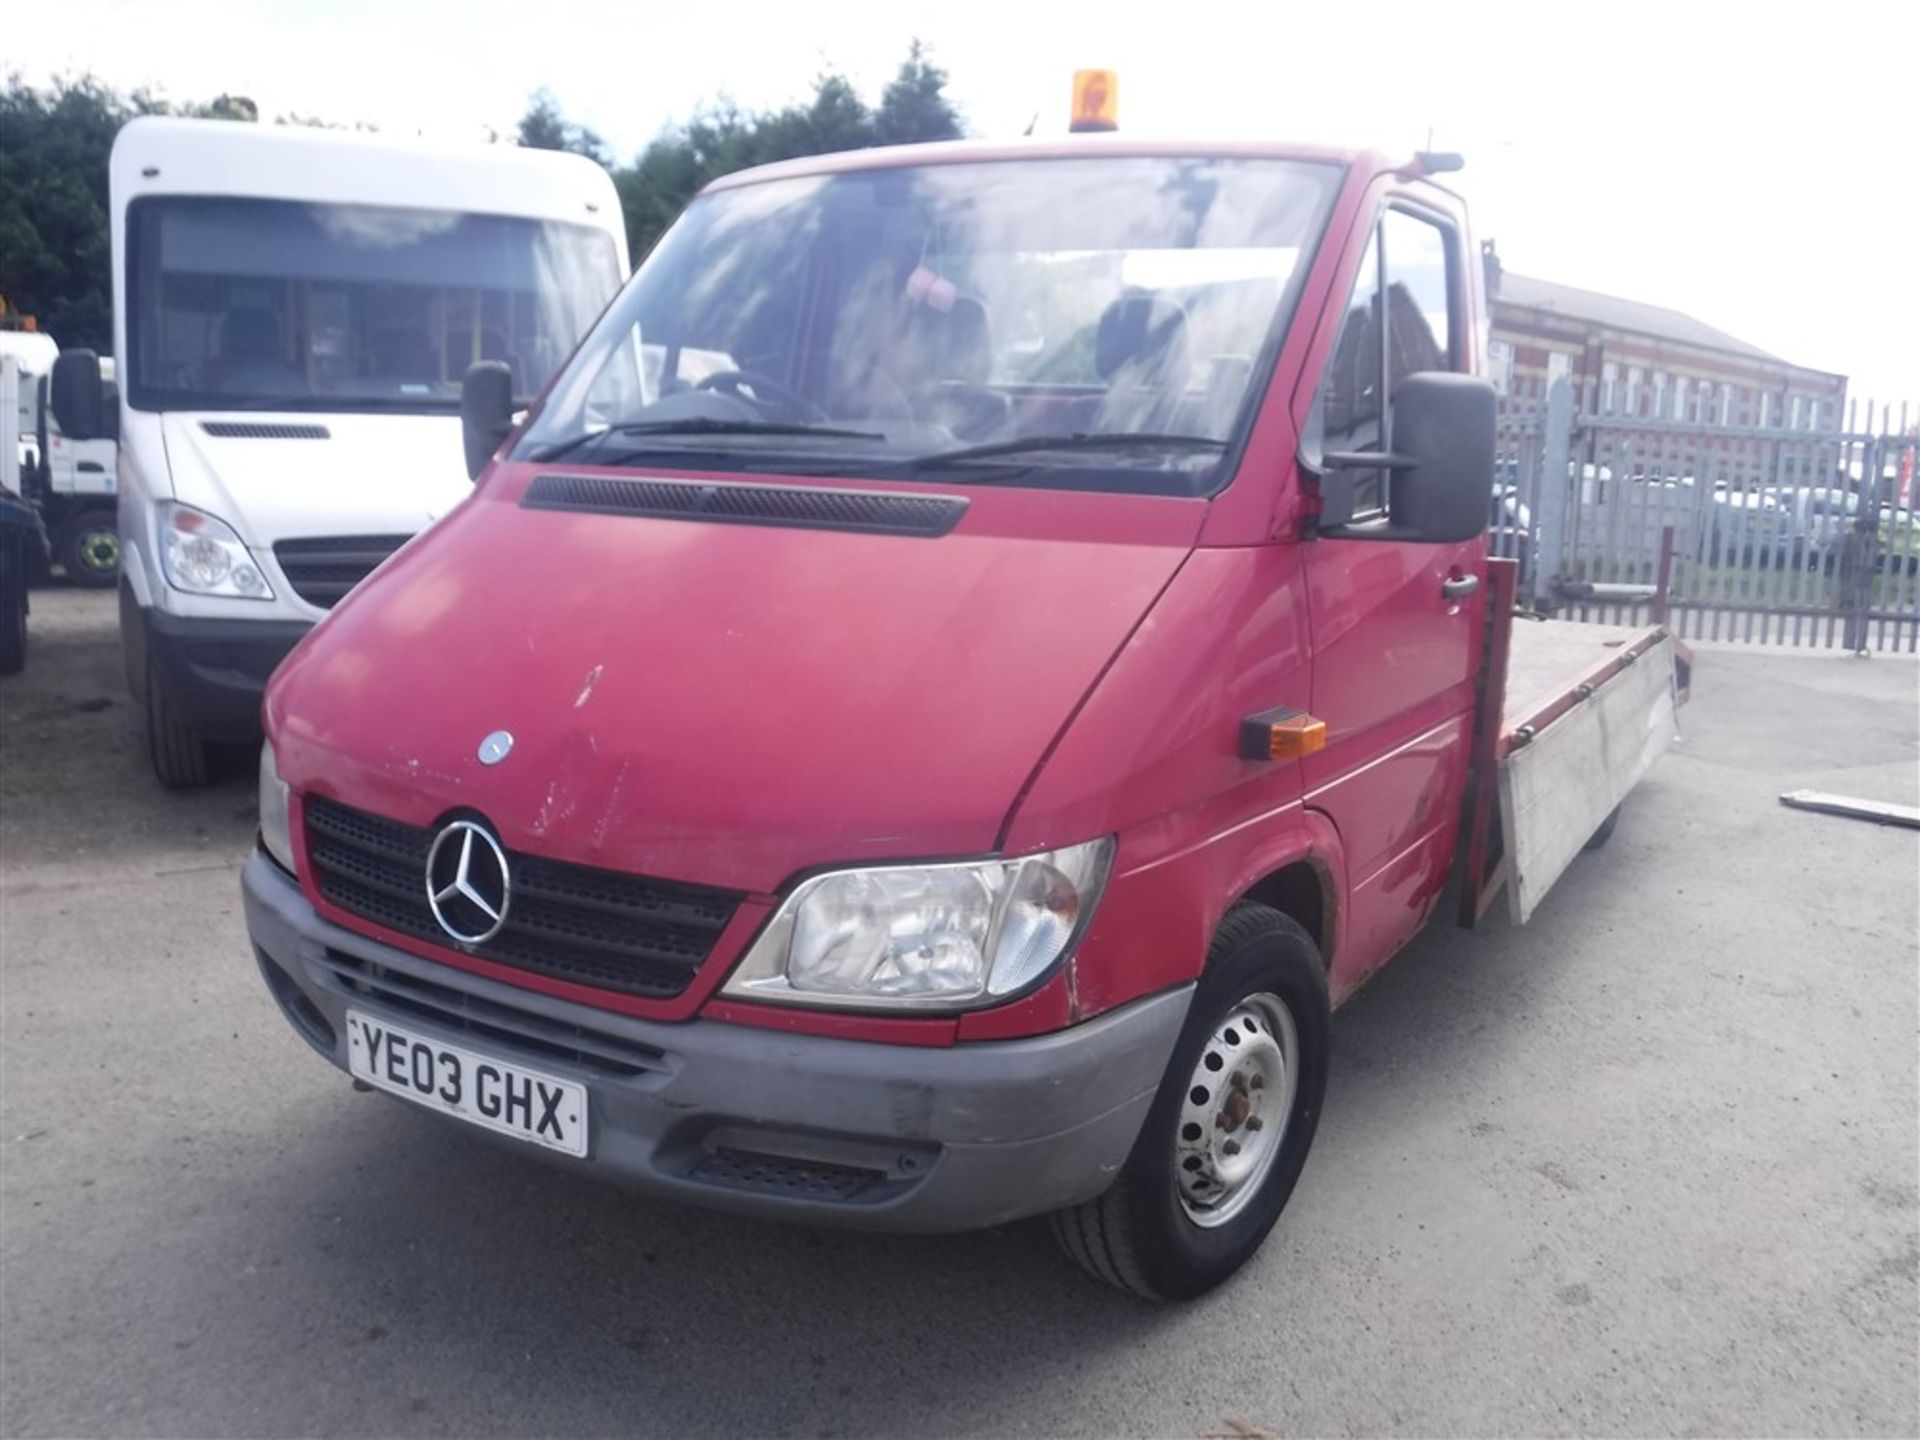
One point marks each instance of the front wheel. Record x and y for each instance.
(1229, 1130)
(90, 549)
(179, 755)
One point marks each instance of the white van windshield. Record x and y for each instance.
(286, 305)
(1077, 323)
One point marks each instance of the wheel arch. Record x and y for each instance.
(1301, 873)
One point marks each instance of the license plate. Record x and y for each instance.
(477, 1088)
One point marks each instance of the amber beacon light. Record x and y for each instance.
(1096, 101)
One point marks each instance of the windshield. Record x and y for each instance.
(1085, 323)
(285, 305)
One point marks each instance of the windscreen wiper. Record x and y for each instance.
(1079, 440)
(703, 425)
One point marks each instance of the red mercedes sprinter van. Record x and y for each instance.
(976, 655)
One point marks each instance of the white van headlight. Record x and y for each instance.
(276, 832)
(921, 937)
(203, 556)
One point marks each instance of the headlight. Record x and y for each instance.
(202, 555)
(275, 831)
(924, 936)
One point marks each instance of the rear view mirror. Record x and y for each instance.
(1443, 429)
(76, 395)
(486, 412)
(1441, 465)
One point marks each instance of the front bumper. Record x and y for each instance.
(214, 671)
(848, 1132)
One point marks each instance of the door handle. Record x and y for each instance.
(1458, 587)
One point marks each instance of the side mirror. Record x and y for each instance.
(1441, 465)
(76, 395)
(486, 412)
(1443, 428)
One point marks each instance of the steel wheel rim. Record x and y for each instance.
(100, 550)
(1234, 1115)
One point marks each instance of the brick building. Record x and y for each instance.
(1647, 361)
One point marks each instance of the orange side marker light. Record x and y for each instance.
(1281, 735)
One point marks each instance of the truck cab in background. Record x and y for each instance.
(76, 485)
(32, 353)
(294, 311)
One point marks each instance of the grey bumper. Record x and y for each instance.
(742, 1118)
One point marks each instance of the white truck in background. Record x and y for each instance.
(70, 482)
(294, 313)
(32, 353)
(76, 487)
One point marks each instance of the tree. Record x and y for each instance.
(671, 170)
(55, 256)
(915, 105)
(543, 127)
(226, 107)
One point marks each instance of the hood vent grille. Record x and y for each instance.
(800, 507)
(249, 430)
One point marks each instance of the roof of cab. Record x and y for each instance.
(1074, 147)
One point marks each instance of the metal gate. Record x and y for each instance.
(1777, 536)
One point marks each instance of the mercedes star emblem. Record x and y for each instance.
(467, 882)
(494, 748)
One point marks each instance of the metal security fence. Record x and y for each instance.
(1773, 535)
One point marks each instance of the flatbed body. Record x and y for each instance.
(1582, 712)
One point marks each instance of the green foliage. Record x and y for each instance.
(54, 250)
(55, 258)
(915, 106)
(226, 107)
(543, 127)
(671, 170)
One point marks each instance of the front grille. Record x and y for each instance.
(323, 570)
(490, 1022)
(570, 922)
(802, 507)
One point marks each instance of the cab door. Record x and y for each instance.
(1396, 625)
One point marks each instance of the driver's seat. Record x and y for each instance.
(955, 349)
(1140, 350)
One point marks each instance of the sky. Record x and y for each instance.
(1755, 166)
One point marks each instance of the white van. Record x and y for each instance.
(294, 311)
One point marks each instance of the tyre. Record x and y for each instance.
(89, 549)
(1229, 1130)
(1605, 832)
(13, 610)
(178, 753)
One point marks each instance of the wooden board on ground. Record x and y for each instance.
(1556, 789)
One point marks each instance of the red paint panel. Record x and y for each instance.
(1154, 926)
(722, 704)
(1393, 678)
(1390, 801)
(1390, 908)
(1046, 1009)
(1154, 752)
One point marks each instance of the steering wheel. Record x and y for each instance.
(762, 391)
